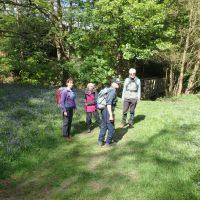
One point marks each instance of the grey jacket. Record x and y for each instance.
(131, 89)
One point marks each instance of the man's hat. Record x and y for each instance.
(116, 80)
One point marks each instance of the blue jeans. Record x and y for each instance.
(106, 124)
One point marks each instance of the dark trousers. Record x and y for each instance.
(89, 119)
(67, 121)
(129, 104)
(106, 124)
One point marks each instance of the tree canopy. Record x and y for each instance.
(46, 41)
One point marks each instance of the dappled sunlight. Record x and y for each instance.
(95, 161)
(148, 161)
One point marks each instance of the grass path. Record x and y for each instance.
(157, 159)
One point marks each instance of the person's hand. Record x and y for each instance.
(65, 114)
(111, 118)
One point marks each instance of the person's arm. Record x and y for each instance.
(62, 102)
(124, 88)
(75, 108)
(109, 102)
(109, 107)
(139, 89)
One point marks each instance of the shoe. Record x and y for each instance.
(68, 138)
(100, 143)
(130, 126)
(89, 131)
(108, 145)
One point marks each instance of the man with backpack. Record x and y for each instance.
(106, 102)
(131, 95)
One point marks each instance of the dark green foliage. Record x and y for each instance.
(45, 43)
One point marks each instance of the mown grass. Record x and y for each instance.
(157, 159)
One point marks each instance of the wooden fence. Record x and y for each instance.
(152, 87)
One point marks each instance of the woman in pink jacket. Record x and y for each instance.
(91, 106)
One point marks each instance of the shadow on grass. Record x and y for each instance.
(147, 165)
(139, 118)
(139, 149)
(28, 115)
(53, 171)
(78, 127)
(119, 134)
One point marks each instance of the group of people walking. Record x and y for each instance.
(131, 95)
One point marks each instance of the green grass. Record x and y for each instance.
(157, 159)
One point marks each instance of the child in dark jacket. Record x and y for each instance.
(91, 106)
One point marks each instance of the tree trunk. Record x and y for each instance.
(191, 82)
(21, 57)
(119, 60)
(183, 62)
(58, 50)
(171, 80)
(166, 82)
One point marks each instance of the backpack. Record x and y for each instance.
(58, 95)
(101, 98)
(130, 81)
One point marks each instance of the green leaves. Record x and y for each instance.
(95, 70)
(131, 52)
(91, 40)
(162, 46)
